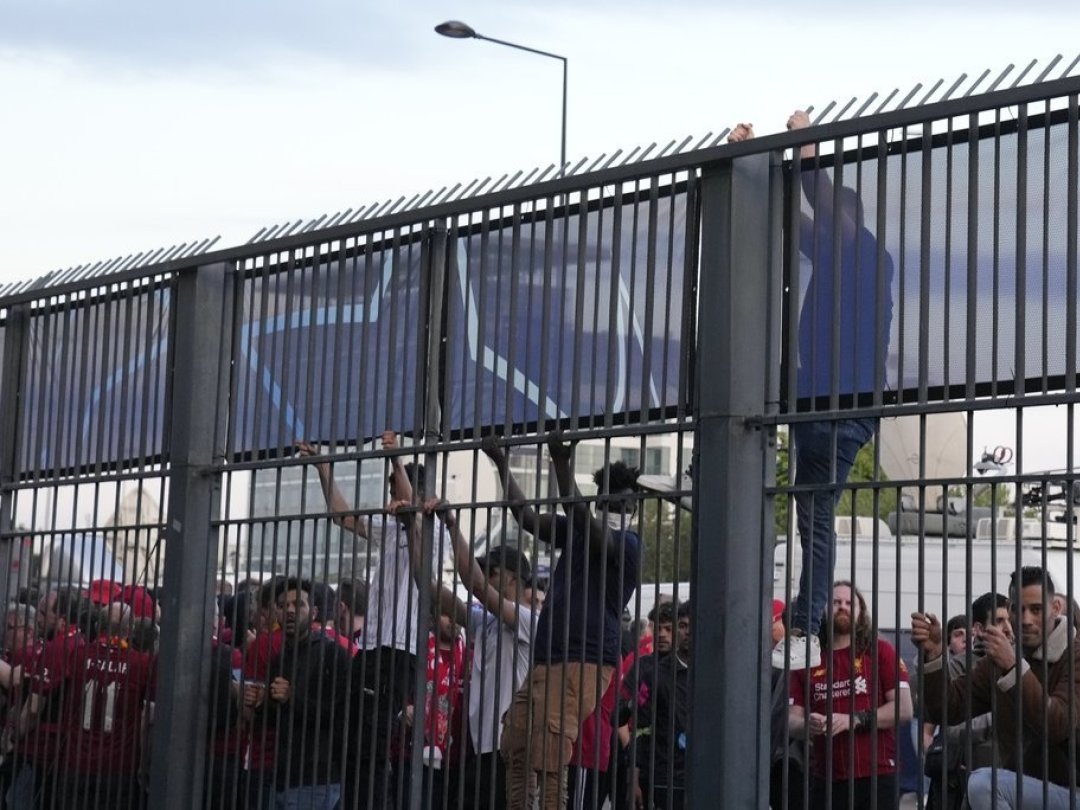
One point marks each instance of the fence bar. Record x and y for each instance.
(10, 377)
(183, 689)
(739, 257)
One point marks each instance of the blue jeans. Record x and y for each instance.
(23, 787)
(981, 796)
(308, 797)
(816, 509)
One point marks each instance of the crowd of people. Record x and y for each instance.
(999, 728)
(317, 693)
(78, 675)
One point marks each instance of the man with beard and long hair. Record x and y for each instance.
(850, 707)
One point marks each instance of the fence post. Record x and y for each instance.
(732, 542)
(202, 313)
(429, 416)
(12, 552)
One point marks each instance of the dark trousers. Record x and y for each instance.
(99, 792)
(795, 793)
(587, 788)
(856, 794)
(668, 798)
(610, 785)
(381, 682)
(434, 784)
(482, 780)
(225, 783)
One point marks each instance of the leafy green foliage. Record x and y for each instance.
(666, 540)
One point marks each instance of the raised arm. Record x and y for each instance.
(817, 184)
(399, 479)
(585, 521)
(944, 698)
(442, 596)
(469, 570)
(542, 527)
(335, 501)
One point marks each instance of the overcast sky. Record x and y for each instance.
(131, 125)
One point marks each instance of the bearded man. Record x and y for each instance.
(850, 707)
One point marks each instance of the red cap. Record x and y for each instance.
(777, 610)
(104, 591)
(142, 604)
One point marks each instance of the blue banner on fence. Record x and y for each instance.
(586, 322)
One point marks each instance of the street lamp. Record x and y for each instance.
(455, 29)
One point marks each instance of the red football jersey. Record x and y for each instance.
(854, 682)
(33, 745)
(49, 676)
(258, 657)
(104, 708)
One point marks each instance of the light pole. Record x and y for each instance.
(455, 29)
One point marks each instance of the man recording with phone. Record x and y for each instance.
(1033, 696)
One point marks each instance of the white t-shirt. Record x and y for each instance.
(393, 601)
(500, 664)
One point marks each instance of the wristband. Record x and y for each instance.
(864, 719)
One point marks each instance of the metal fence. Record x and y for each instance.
(210, 603)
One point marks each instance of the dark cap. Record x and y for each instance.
(507, 558)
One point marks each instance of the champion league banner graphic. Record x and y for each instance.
(93, 383)
(536, 328)
(587, 322)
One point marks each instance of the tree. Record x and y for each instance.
(783, 479)
(665, 537)
(863, 470)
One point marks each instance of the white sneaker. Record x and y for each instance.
(798, 652)
(667, 484)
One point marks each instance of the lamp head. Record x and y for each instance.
(455, 29)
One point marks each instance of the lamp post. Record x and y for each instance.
(455, 29)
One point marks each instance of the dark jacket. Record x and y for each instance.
(308, 726)
(662, 720)
(782, 744)
(1039, 684)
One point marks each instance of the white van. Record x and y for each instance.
(940, 575)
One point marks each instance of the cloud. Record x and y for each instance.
(207, 34)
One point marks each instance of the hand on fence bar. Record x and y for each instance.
(741, 132)
(798, 120)
(438, 507)
(335, 501)
(560, 450)
(926, 634)
(254, 694)
(279, 690)
(489, 446)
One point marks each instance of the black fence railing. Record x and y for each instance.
(401, 513)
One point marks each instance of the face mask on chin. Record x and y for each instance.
(619, 521)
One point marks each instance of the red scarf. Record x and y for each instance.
(445, 683)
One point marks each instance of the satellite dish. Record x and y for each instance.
(946, 447)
